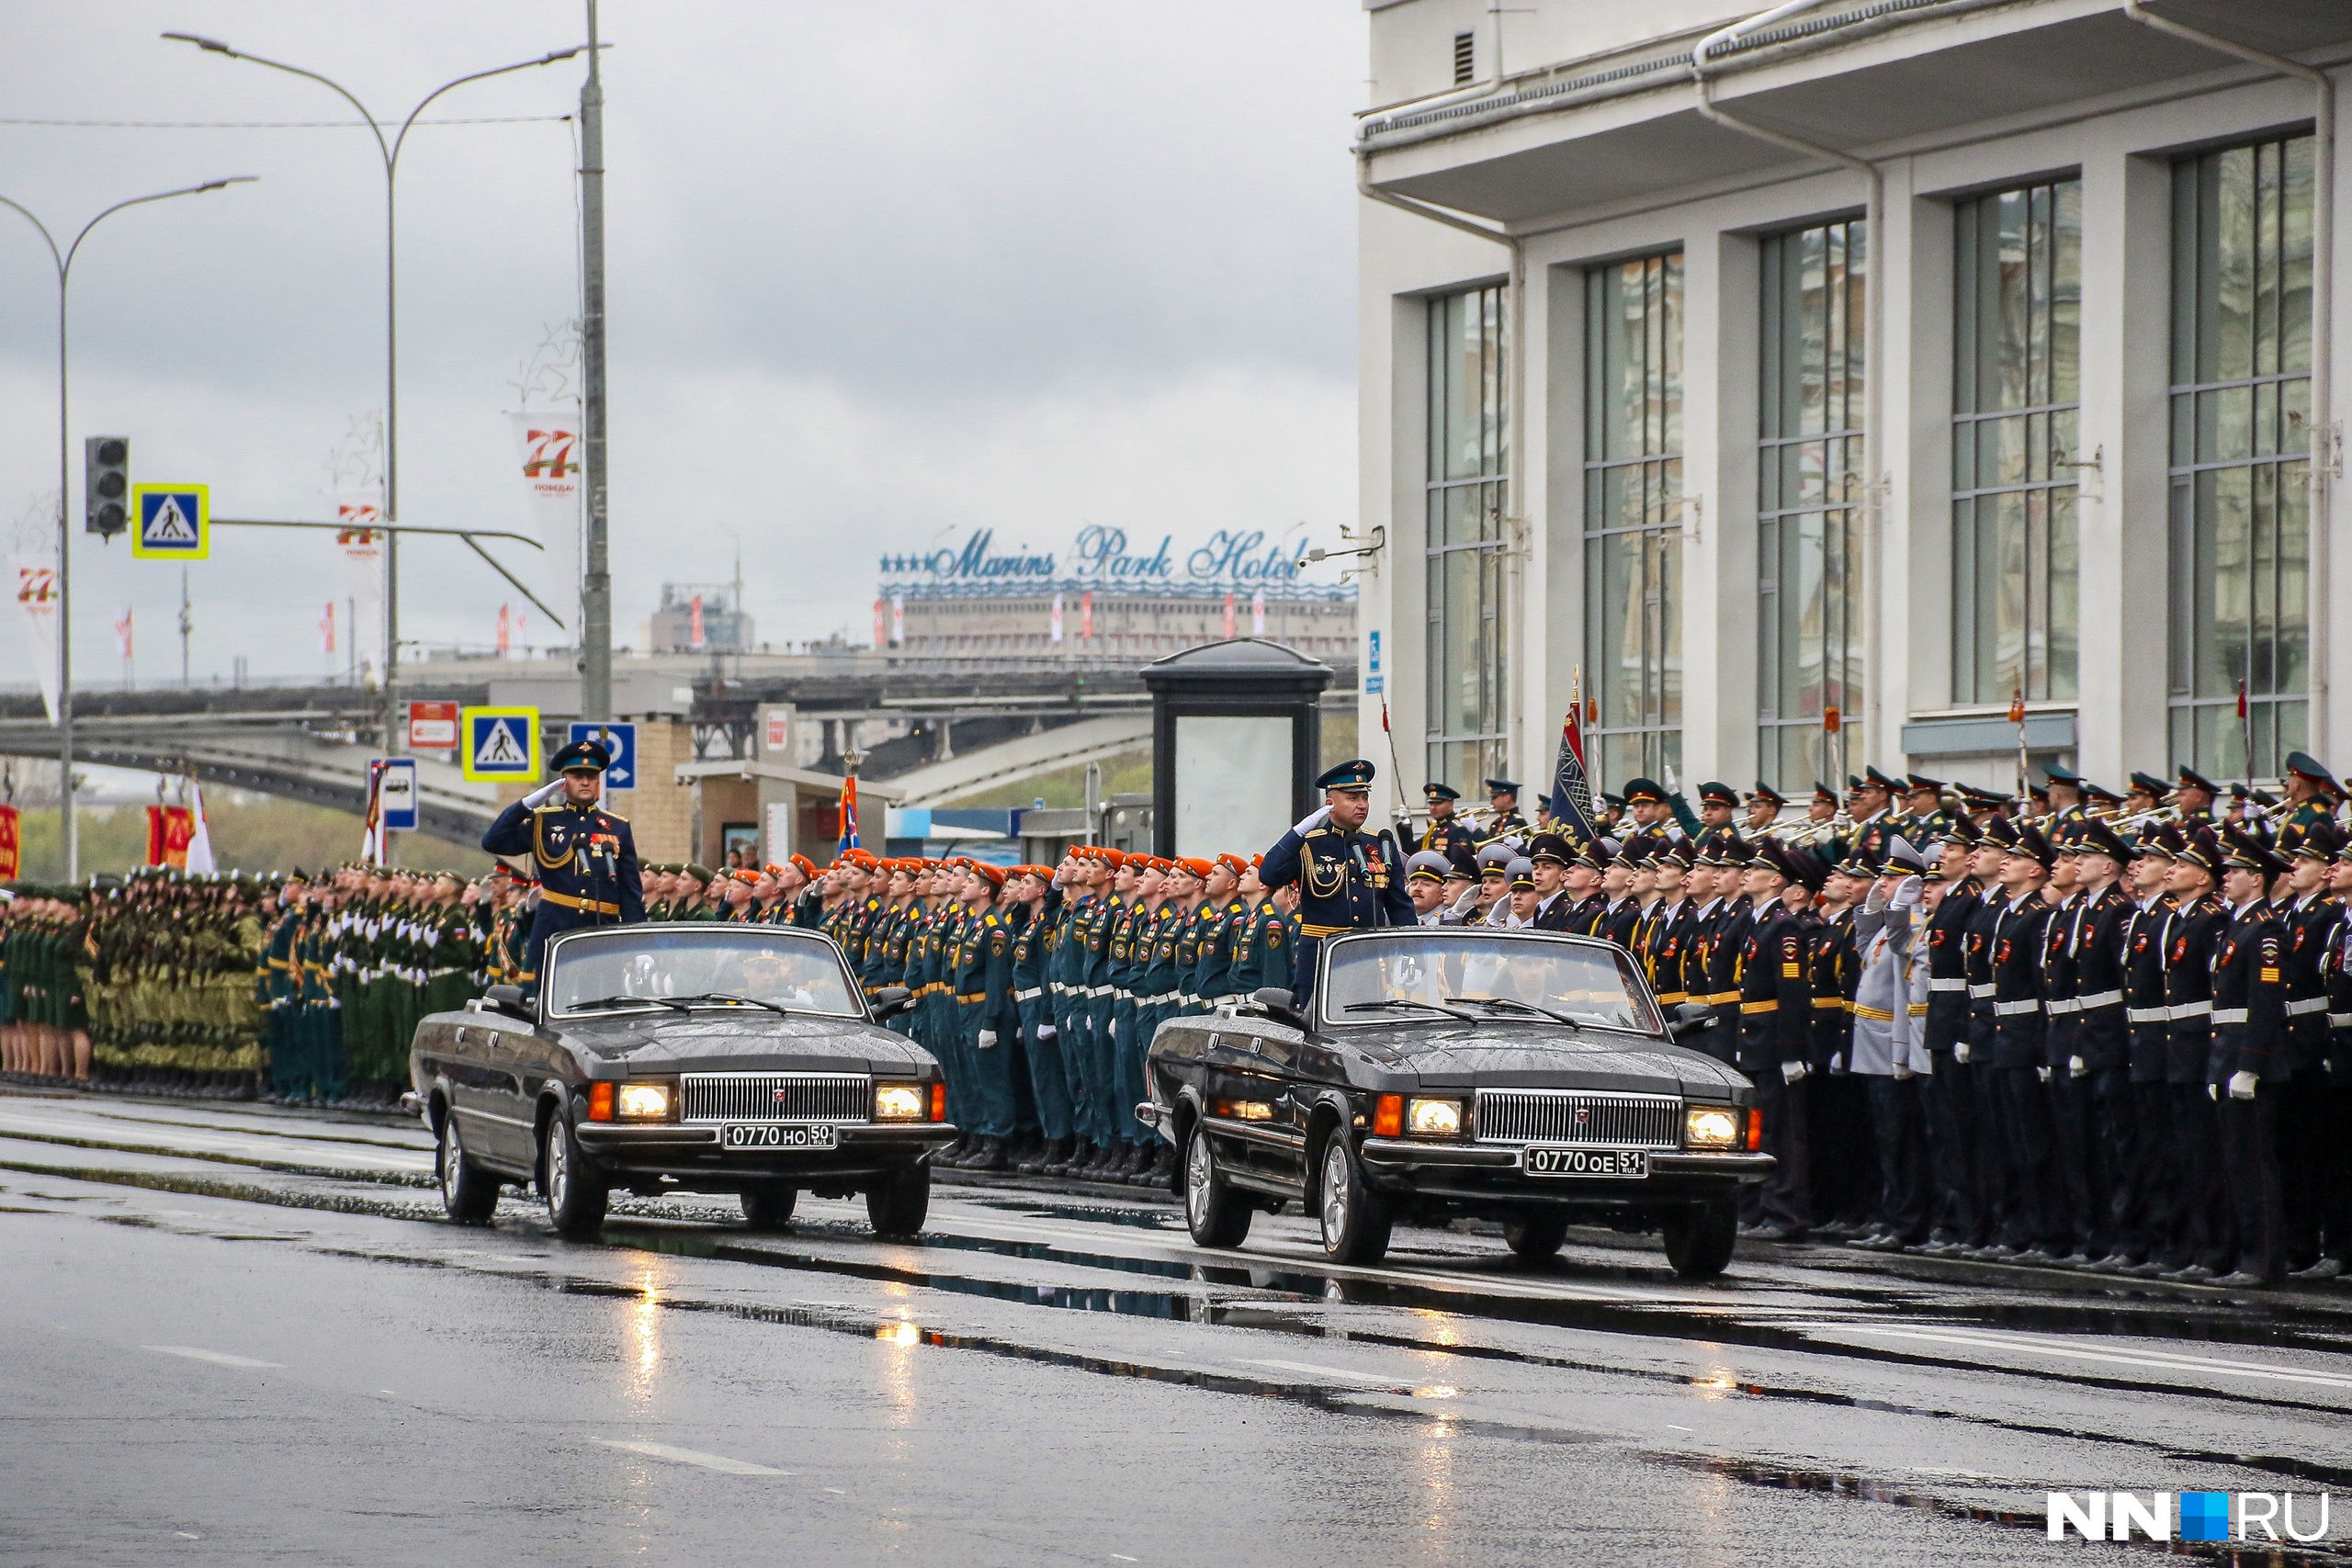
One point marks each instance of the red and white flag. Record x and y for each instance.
(122, 632)
(326, 629)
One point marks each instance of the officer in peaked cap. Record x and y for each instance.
(1347, 879)
(1717, 801)
(2147, 793)
(2195, 795)
(1764, 804)
(2314, 792)
(1425, 874)
(1503, 795)
(1446, 831)
(585, 856)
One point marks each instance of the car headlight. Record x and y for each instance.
(644, 1102)
(1434, 1118)
(899, 1102)
(1710, 1127)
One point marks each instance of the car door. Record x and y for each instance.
(485, 1089)
(1254, 1093)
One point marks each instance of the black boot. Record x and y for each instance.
(1042, 1157)
(1073, 1154)
(991, 1156)
(1158, 1168)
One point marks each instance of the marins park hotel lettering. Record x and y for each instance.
(1101, 558)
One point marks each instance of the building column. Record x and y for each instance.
(2120, 719)
(1717, 613)
(2330, 726)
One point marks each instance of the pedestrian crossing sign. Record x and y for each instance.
(175, 522)
(502, 745)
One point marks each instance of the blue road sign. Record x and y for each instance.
(171, 522)
(396, 793)
(502, 744)
(620, 742)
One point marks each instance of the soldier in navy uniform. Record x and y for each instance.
(1446, 832)
(586, 856)
(1347, 879)
(1503, 795)
(2248, 1059)
(1772, 986)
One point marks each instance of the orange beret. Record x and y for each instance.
(995, 873)
(808, 868)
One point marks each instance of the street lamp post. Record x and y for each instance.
(391, 152)
(63, 259)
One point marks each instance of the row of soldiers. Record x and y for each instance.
(1038, 987)
(2030, 1038)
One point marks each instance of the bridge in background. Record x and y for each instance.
(969, 723)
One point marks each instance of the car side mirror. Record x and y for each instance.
(508, 999)
(1688, 1016)
(1277, 1002)
(892, 1000)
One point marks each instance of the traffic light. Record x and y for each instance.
(106, 483)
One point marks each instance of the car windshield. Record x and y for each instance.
(603, 971)
(1484, 975)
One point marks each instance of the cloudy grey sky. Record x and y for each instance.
(878, 272)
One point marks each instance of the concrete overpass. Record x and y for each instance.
(971, 723)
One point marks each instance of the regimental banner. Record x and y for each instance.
(11, 843)
(37, 597)
(362, 538)
(548, 444)
(170, 831)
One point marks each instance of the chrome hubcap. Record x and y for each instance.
(1197, 1177)
(1335, 1190)
(558, 1164)
(453, 1155)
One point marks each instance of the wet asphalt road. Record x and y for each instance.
(243, 1336)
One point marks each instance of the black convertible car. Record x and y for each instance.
(1515, 1076)
(681, 1058)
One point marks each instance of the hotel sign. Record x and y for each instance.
(1103, 557)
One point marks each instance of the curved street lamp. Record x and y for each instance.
(64, 260)
(389, 150)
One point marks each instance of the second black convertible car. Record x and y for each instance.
(1515, 1076)
(681, 1058)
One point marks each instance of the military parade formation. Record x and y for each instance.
(2079, 1027)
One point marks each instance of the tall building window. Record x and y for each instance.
(2016, 395)
(1809, 506)
(1468, 442)
(2241, 401)
(1633, 515)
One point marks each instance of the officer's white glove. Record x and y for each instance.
(1960, 1052)
(2212, 1091)
(2076, 1067)
(1902, 1071)
(1876, 899)
(1907, 896)
(542, 794)
(2241, 1086)
(1794, 1072)
(1114, 1028)
(988, 1039)
(1312, 821)
(1046, 1032)
(2041, 1073)
(1838, 1062)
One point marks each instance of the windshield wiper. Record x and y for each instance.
(1409, 1002)
(624, 1002)
(730, 997)
(1522, 1007)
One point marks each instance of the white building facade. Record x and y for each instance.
(1817, 391)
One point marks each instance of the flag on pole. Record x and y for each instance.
(326, 629)
(199, 843)
(2245, 726)
(122, 632)
(372, 842)
(849, 816)
(1571, 796)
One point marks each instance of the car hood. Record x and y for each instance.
(1492, 1058)
(745, 1040)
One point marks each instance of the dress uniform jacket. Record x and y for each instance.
(2249, 998)
(2096, 955)
(1617, 921)
(1662, 954)
(2018, 1018)
(2308, 928)
(2147, 1017)
(1947, 937)
(1348, 880)
(586, 862)
(1834, 967)
(1774, 997)
(2196, 932)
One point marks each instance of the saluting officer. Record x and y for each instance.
(1347, 879)
(586, 856)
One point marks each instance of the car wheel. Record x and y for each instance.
(1213, 1212)
(1355, 1219)
(770, 1208)
(1699, 1239)
(896, 1204)
(468, 1193)
(1536, 1236)
(576, 1199)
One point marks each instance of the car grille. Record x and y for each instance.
(1562, 1116)
(776, 1097)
